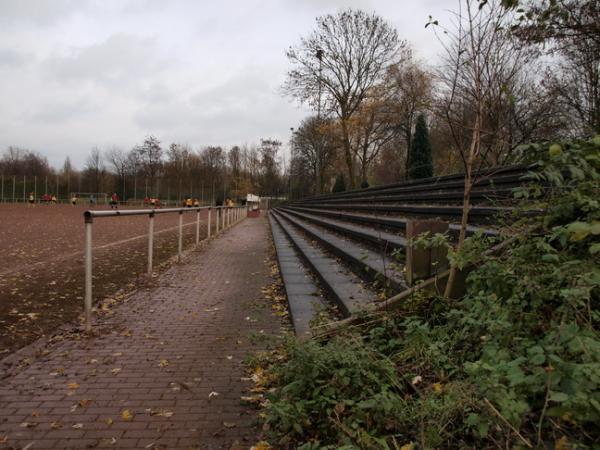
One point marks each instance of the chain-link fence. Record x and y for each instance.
(134, 190)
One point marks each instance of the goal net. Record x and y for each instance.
(89, 198)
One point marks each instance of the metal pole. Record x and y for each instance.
(208, 224)
(197, 227)
(34, 188)
(223, 213)
(14, 184)
(150, 242)
(88, 274)
(57, 195)
(2, 194)
(217, 214)
(180, 245)
(24, 187)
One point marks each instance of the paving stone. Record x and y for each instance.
(195, 320)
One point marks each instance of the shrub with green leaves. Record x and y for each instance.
(514, 364)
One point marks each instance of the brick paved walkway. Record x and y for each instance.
(166, 369)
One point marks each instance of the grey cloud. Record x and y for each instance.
(61, 111)
(12, 58)
(78, 73)
(121, 60)
(36, 11)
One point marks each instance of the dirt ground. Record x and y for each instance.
(41, 263)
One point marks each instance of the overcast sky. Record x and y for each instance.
(77, 73)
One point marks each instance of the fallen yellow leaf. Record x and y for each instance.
(437, 387)
(262, 445)
(85, 402)
(73, 385)
(562, 444)
(163, 363)
(126, 415)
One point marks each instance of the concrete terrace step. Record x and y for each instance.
(366, 263)
(381, 239)
(435, 196)
(344, 287)
(504, 181)
(383, 221)
(301, 290)
(480, 213)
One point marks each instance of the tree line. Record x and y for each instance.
(511, 72)
(150, 169)
(516, 72)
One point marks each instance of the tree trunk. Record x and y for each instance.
(408, 138)
(473, 151)
(348, 154)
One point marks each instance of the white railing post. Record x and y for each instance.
(223, 214)
(217, 218)
(88, 274)
(208, 224)
(180, 244)
(150, 242)
(197, 226)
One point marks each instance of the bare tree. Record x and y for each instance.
(118, 159)
(269, 161)
(315, 143)
(151, 157)
(410, 89)
(21, 161)
(94, 168)
(370, 130)
(475, 60)
(355, 49)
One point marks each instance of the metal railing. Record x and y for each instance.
(224, 216)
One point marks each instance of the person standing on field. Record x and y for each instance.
(31, 201)
(114, 201)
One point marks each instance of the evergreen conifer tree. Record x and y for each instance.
(420, 164)
(340, 184)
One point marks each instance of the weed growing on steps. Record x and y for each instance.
(514, 364)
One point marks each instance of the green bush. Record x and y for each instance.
(514, 364)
